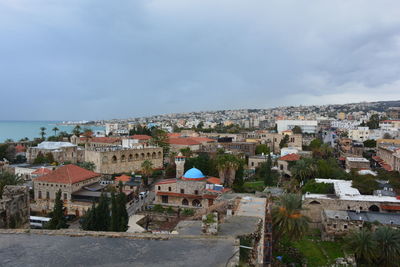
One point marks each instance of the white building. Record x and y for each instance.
(306, 126)
(360, 134)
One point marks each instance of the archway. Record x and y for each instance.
(314, 202)
(374, 208)
(196, 203)
(185, 202)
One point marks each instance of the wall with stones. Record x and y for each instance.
(14, 207)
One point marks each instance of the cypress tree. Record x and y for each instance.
(114, 214)
(89, 220)
(57, 219)
(268, 171)
(102, 214)
(122, 213)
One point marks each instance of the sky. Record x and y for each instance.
(96, 59)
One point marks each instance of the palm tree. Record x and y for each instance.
(363, 245)
(287, 218)
(303, 170)
(147, 170)
(77, 130)
(55, 130)
(7, 178)
(227, 166)
(388, 246)
(42, 132)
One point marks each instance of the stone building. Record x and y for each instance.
(256, 161)
(346, 197)
(274, 139)
(69, 179)
(337, 223)
(61, 151)
(96, 141)
(388, 156)
(117, 159)
(357, 163)
(193, 189)
(247, 148)
(284, 163)
(14, 207)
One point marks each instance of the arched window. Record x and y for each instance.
(185, 202)
(374, 208)
(314, 202)
(114, 159)
(154, 155)
(196, 203)
(123, 159)
(142, 155)
(130, 158)
(136, 156)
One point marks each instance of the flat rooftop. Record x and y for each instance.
(46, 250)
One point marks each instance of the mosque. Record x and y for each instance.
(192, 189)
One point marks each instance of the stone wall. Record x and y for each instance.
(14, 207)
(113, 161)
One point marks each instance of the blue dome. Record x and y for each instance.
(193, 173)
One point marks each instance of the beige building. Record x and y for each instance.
(61, 151)
(388, 156)
(113, 160)
(360, 134)
(69, 179)
(285, 161)
(273, 140)
(357, 163)
(192, 190)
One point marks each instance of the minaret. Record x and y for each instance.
(180, 165)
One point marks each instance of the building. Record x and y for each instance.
(307, 126)
(247, 148)
(193, 189)
(273, 140)
(348, 198)
(360, 134)
(388, 155)
(117, 159)
(61, 151)
(394, 113)
(357, 163)
(193, 143)
(337, 223)
(69, 179)
(284, 163)
(14, 207)
(256, 161)
(96, 141)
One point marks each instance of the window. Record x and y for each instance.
(164, 199)
(47, 195)
(65, 196)
(123, 158)
(40, 195)
(281, 167)
(159, 187)
(114, 159)
(334, 226)
(182, 191)
(169, 189)
(196, 192)
(345, 226)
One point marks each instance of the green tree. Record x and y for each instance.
(88, 221)
(262, 148)
(287, 218)
(388, 246)
(77, 130)
(42, 132)
(114, 224)
(57, 220)
(227, 165)
(363, 245)
(55, 130)
(370, 143)
(373, 122)
(284, 141)
(297, 130)
(147, 170)
(303, 170)
(268, 179)
(123, 217)
(91, 166)
(102, 213)
(315, 144)
(160, 138)
(238, 182)
(186, 152)
(7, 178)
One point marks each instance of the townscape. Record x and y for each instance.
(287, 186)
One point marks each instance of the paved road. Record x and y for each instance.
(42, 250)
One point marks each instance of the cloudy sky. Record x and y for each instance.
(95, 59)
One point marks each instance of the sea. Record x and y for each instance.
(17, 130)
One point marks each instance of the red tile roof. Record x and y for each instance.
(382, 163)
(203, 139)
(214, 180)
(389, 207)
(19, 149)
(183, 141)
(123, 178)
(174, 135)
(290, 157)
(167, 181)
(41, 171)
(140, 137)
(68, 174)
(108, 140)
